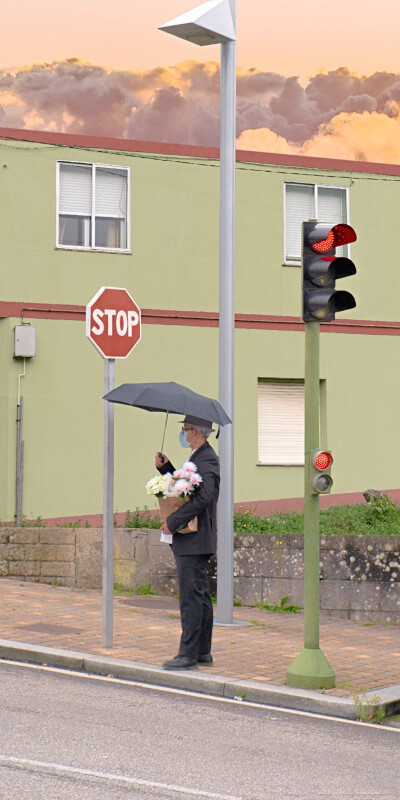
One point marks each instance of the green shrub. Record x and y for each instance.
(379, 518)
(141, 519)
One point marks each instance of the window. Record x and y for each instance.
(281, 422)
(93, 206)
(311, 201)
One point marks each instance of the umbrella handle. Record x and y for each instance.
(165, 428)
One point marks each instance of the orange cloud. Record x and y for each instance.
(365, 137)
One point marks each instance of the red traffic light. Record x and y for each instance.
(323, 460)
(323, 237)
(321, 267)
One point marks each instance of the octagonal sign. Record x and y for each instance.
(113, 322)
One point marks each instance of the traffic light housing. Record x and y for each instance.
(321, 268)
(320, 471)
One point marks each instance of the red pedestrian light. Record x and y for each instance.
(323, 460)
(320, 471)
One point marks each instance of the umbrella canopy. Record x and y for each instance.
(170, 397)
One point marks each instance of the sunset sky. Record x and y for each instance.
(308, 82)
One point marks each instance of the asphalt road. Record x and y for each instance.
(65, 736)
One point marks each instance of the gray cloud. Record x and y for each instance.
(180, 104)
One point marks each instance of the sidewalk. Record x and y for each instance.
(365, 657)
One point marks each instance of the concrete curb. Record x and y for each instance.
(387, 699)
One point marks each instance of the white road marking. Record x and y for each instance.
(197, 695)
(23, 763)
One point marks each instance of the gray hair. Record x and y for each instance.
(205, 431)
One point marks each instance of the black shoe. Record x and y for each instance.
(180, 662)
(205, 659)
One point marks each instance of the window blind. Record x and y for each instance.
(330, 204)
(280, 422)
(331, 207)
(75, 190)
(111, 193)
(300, 206)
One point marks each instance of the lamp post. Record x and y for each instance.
(214, 22)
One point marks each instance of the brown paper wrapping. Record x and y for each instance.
(170, 504)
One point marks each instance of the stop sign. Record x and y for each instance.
(113, 322)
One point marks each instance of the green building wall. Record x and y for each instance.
(173, 266)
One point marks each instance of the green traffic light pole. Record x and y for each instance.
(310, 669)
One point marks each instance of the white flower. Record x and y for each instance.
(169, 483)
(157, 484)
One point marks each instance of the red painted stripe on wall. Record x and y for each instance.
(200, 319)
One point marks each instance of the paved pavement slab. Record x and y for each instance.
(63, 627)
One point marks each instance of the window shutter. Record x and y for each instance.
(331, 204)
(280, 422)
(300, 206)
(75, 190)
(332, 208)
(111, 193)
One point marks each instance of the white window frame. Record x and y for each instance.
(91, 247)
(296, 261)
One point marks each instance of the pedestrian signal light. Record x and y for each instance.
(321, 268)
(320, 471)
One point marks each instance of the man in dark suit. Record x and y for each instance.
(193, 550)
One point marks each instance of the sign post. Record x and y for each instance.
(113, 325)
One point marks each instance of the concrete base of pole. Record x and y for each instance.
(236, 623)
(311, 670)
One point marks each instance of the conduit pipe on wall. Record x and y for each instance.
(19, 480)
(24, 347)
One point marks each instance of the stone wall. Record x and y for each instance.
(359, 575)
(72, 556)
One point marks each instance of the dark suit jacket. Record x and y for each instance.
(202, 504)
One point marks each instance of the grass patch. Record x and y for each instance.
(283, 607)
(145, 589)
(119, 589)
(379, 518)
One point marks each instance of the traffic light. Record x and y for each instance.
(320, 471)
(321, 268)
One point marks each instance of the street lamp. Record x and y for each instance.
(214, 22)
(210, 23)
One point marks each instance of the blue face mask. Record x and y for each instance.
(183, 439)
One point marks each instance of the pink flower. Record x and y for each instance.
(189, 467)
(182, 487)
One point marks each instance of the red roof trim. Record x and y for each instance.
(108, 143)
(162, 148)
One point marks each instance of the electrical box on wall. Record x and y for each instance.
(24, 341)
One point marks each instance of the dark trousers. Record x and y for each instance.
(195, 605)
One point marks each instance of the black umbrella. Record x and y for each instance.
(171, 397)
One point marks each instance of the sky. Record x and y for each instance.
(314, 78)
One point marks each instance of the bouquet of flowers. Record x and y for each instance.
(173, 491)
